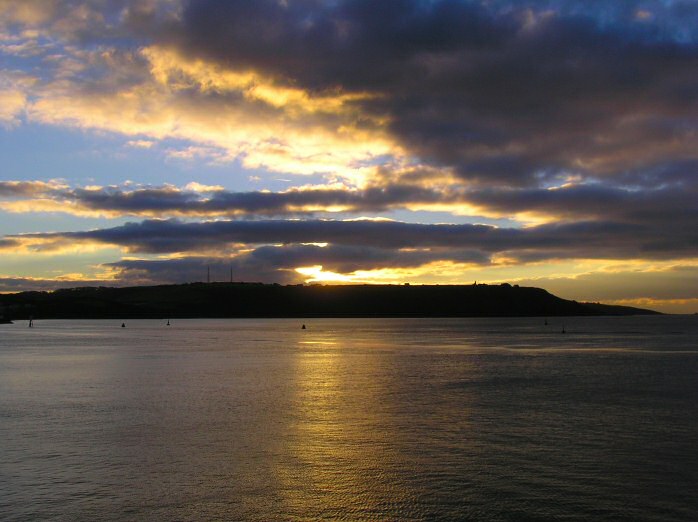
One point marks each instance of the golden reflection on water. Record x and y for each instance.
(339, 455)
(371, 420)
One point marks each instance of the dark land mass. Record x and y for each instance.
(270, 300)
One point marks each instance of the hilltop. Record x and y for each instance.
(272, 300)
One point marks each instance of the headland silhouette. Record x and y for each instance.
(198, 300)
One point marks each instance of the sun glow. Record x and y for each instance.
(316, 274)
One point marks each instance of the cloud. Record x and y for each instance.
(199, 200)
(653, 209)
(279, 263)
(140, 144)
(12, 104)
(29, 12)
(27, 284)
(512, 93)
(197, 269)
(669, 306)
(154, 93)
(156, 236)
(199, 187)
(593, 239)
(625, 283)
(8, 244)
(504, 92)
(652, 206)
(24, 189)
(13, 96)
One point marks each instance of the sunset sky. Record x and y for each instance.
(540, 143)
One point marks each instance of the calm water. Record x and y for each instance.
(419, 419)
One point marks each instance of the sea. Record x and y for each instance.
(350, 419)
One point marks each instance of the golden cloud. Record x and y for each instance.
(53, 246)
(243, 114)
(676, 306)
(12, 104)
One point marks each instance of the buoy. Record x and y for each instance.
(303, 327)
(123, 325)
(168, 322)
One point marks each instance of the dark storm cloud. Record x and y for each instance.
(505, 92)
(588, 239)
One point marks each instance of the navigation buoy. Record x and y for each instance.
(123, 325)
(303, 327)
(168, 322)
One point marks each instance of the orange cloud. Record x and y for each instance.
(226, 114)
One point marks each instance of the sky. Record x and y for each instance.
(541, 143)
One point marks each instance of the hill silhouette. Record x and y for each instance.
(271, 300)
